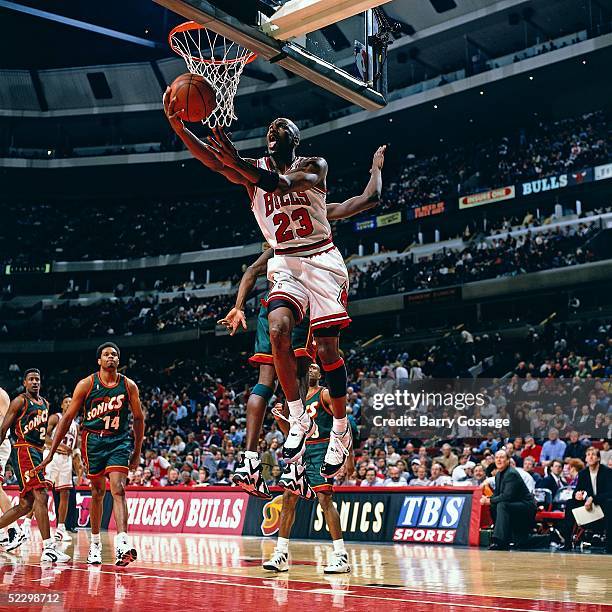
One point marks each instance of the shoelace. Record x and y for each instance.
(291, 420)
(337, 446)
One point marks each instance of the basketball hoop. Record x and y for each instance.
(219, 60)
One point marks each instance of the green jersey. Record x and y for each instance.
(321, 413)
(107, 409)
(31, 425)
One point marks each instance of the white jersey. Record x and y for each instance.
(70, 439)
(295, 223)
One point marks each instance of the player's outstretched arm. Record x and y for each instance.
(196, 147)
(370, 196)
(15, 407)
(236, 317)
(138, 423)
(310, 173)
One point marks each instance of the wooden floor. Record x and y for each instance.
(188, 572)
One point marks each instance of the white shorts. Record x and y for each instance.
(5, 453)
(59, 471)
(318, 283)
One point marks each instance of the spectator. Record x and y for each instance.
(438, 477)
(554, 480)
(464, 472)
(172, 479)
(531, 449)
(575, 466)
(191, 443)
(178, 445)
(448, 459)
(276, 474)
(479, 476)
(489, 443)
(371, 480)
(269, 459)
(275, 434)
(202, 480)
(575, 449)
(220, 478)
(553, 448)
(395, 479)
(186, 479)
(529, 467)
(148, 479)
(421, 479)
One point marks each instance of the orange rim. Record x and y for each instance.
(193, 25)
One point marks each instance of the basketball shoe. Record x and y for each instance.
(248, 476)
(61, 535)
(94, 556)
(124, 553)
(338, 450)
(50, 554)
(338, 564)
(300, 429)
(16, 539)
(294, 480)
(279, 561)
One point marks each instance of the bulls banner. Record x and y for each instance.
(441, 515)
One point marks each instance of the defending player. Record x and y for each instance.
(27, 417)
(318, 405)
(106, 398)
(59, 471)
(248, 473)
(11, 538)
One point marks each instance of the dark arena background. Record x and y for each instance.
(480, 271)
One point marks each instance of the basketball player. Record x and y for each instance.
(59, 471)
(106, 398)
(13, 538)
(27, 417)
(307, 271)
(248, 473)
(318, 405)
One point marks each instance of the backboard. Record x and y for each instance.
(340, 45)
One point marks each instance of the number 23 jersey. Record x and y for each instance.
(295, 223)
(107, 408)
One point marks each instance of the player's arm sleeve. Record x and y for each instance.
(163, 463)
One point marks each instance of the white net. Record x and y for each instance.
(219, 60)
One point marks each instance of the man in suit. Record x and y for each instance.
(554, 480)
(594, 486)
(513, 508)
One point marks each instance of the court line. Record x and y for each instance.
(345, 594)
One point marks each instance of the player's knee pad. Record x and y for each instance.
(263, 391)
(335, 376)
(275, 303)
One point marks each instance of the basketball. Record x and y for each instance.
(195, 95)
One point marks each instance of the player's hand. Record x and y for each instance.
(42, 466)
(378, 160)
(134, 461)
(222, 147)
(172, 113)
(233, 319)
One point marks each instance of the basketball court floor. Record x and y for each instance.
(189, 572)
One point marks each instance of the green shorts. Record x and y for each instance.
(300, 340)
(104, 454)
(314, 456)
(24, 458)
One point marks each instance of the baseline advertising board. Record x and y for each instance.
(441, 515)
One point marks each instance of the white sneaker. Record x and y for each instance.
(94, 557)
(50, 554)
(338, 450)
(17, 540)
(295, 481)
(62, 536)
(338, 565)
(300, 429)
(125, 555)
(26, 528)
(279, 562)
(248, 476)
